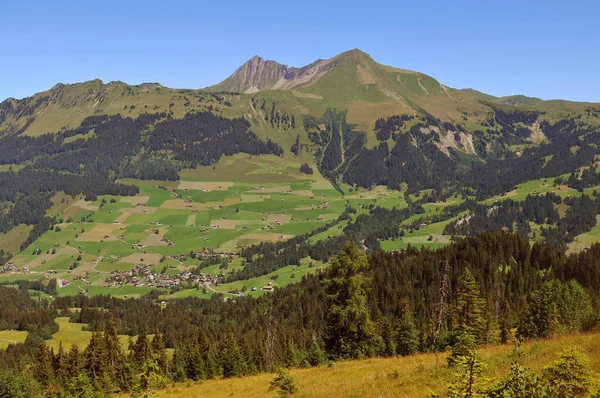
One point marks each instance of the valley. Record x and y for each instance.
(293, 217)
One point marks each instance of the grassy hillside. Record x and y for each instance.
(413, 376)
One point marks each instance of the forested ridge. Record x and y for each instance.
(87, 160)
(426, 153)
(507, 284)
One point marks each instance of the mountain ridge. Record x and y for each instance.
(351, 81)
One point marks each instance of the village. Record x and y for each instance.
(142, 275)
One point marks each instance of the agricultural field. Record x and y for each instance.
(8, 337)
(241, 201)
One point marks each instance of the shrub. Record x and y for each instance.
(284, 383)
(570, 376)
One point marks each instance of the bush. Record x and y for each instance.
(284, 383)
(306, 169)
(570, 376)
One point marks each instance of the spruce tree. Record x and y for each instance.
(232, 360)
(159, 349)
(469, 314)
(141, 351)
(74, 362)
(42, 369)
(95, 362)
(114, 352)
(407, 341)
(468, 372)
(350, 332)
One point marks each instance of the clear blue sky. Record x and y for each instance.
(547, 49)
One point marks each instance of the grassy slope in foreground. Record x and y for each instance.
(418, 374)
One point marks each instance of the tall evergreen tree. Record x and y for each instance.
(350, 331)
(42, 370)
(141, 351)
(469, 315)
(159, 349)
(232, 360)
(407, 340)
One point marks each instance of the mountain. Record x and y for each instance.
(367, 90)
(351, 82)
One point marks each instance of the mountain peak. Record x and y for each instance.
(258, 74)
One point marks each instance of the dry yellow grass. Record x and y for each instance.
(191, 220)
(135, 199)
(123, 217)
(12, 240)
(8, 337)
(73, 211)
(138, 210)
(223, 224)
(44, 258)
(141, 258)
(278, 189)
(99, 232)
(418, 375)
(180, 204)
(84, 204)
(304, 192)
(154, 239)
(199, 186)
(284, 218)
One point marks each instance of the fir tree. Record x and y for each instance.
(570, 376)
(468, 316)
(42, 369)
(469, 370)
(141, 350)
(158, 348)
(350, 331)
(232, 360)
(407, 341)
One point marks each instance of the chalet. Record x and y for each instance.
(268, 288)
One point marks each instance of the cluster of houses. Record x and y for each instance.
(10, 267)
(205, 254)
(142, 275)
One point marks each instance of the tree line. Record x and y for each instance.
(471, 293)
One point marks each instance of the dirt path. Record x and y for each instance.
(421, 84)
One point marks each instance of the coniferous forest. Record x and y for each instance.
(481, 290)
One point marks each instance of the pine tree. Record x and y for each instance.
(124, 376)
(570, 376)
(158, 348)
(407, 341)
(141, 350)
(74, 363)
(60, 365)
(469, 369)
(42, 370)
(469, 314)
(194, 364)
(349, 331)
(232, 360)
(95, 362)
(114, 352)
(178, 364)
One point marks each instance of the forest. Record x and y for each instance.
(152, 146)
(411, 151)
(474, 292)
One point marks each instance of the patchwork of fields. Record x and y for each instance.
(240, 201)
